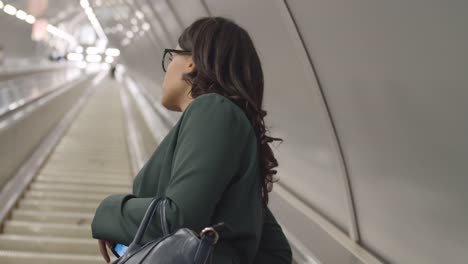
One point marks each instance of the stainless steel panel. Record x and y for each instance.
(24, 89)
(18, 140)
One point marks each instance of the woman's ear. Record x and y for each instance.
(190, 65)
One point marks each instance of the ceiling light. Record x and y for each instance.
(112, 52)
(109, 59)
(139, 14)
(30, 19)
(129, 34)
(125, 42)
(60, 33)
(84, 3)
(1, 5)
(146, 26)
(9, 9)
(89, 11)
(82, 64)
(94, 21)
(92, 50)
(74, 57)
(21, 14)
(93, 58)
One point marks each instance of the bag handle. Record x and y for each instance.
(162, 213)
(136, 242)
(209, 234)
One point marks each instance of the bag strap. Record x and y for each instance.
(162, 213)
(136, 242)
(216, 229)
(209, 235)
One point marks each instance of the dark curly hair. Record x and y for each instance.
(228, 64)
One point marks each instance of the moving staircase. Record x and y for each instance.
(51, 223)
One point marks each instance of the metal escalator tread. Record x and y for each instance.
(52, 221)
(26, 257)
(84, 181)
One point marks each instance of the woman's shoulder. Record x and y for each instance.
(217, 104)
(215, 100)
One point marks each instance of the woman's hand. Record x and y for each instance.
(103, 250)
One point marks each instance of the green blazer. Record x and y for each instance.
(208, 167)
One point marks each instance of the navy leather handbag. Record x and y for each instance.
(181, 246)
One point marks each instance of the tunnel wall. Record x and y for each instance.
(369, 96)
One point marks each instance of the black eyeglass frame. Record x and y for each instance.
(186, 52)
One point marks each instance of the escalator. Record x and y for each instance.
(51, 223)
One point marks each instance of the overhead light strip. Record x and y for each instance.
(30, 19)
(60, 33)
(92, 19)
(9, 9)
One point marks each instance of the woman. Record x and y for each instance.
(215, 164)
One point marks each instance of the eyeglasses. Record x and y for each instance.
(167, 59)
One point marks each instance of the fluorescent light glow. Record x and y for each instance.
(146, 26)
(30, 19)
(129, 34)
(92, 50)
(95, 23)
(60, 33)
(125, 42)
(93, 20)
(109, 59)
(89, 11)
(112, 52)
(12, 106)
(93, 58)
(84, 3)
(21, 14)
(9, 9)
(82, 64)
(139, 14)
(74, 57)
(105, 66)
(1, 5)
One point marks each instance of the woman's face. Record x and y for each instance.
(175, 89)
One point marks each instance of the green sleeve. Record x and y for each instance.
(206, 158)
(118, 216)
